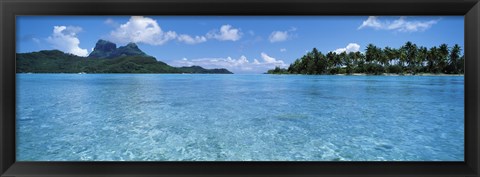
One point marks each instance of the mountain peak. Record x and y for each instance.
(105, 45)
(131, 45)
(103, 49)
(131, 49)
(107, 49)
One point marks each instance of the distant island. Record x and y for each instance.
(105, 58)
(408, 59)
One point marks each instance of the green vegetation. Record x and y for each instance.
(105, 58)
(408, 59)
(54, 61)
(278, 70)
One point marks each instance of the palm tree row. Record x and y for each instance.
(408, 59)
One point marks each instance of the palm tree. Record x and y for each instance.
(411, 52)
(349, 62)
(322, 63)
(389, 54)
(461, 64)
(304, 64)
(392, 56)
(432, 60)
(310, 64)
(316, 60)
(342, 59)
(337, 60)
(330, 60)
(293, 68)
(370, 53)
(421, 59)
(383, 57)
(443, 57)
(402, 55)
(358, 60)
(409, 57)
(454, 58)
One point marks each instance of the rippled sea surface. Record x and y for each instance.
(183, 117)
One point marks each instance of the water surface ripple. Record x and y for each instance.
(182, 117)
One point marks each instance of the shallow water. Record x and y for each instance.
(182, 117)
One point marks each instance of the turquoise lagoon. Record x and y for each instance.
(203, 117)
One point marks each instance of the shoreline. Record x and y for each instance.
(354, 74)
(364, 74)
(389, 74)
(133, 73)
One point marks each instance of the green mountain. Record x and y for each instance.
(106, 49)
(103, 49)
(105, 58)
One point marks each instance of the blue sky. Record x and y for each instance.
(242, 44)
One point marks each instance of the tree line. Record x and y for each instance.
(55, 61)
(408, 59)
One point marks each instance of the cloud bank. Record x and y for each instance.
(187, 39)
(146, 30)
(401, 24)
(65, 38)
(226, 33)
(239, 65)
(351, 47)
(140, 29)
(279, 36)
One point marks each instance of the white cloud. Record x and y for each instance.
(279, 36)
(239, 65)
(410, 26)
(242, 60)
(372, 22)
(146, 30)
(283, 50)
(269, 59)
(191, 40)
(351, 47)
(141, 30)
(401, 24)
(235, 65)
(65, 38)
(226, 33)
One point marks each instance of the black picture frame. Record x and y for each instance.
(11, 8)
